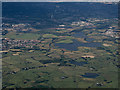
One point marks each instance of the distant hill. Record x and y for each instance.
(57, 13)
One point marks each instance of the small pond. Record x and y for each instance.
(90, 75)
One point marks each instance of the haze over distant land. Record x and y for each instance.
(60, 0)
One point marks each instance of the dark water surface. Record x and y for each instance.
(79, 35)
(74, 46)
(90, 75)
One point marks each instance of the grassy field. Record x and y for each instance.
(49, 36)
(50, 66)
(52, 74)
(65, 41)
(23, 36)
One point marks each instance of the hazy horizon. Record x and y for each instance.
(60, 0)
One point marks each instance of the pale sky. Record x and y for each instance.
(60, 0)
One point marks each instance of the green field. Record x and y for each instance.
(65, 41)
(23, 36)
(32, 60)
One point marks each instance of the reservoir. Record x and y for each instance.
(90, 75)
(78, 63)
(74, 46)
